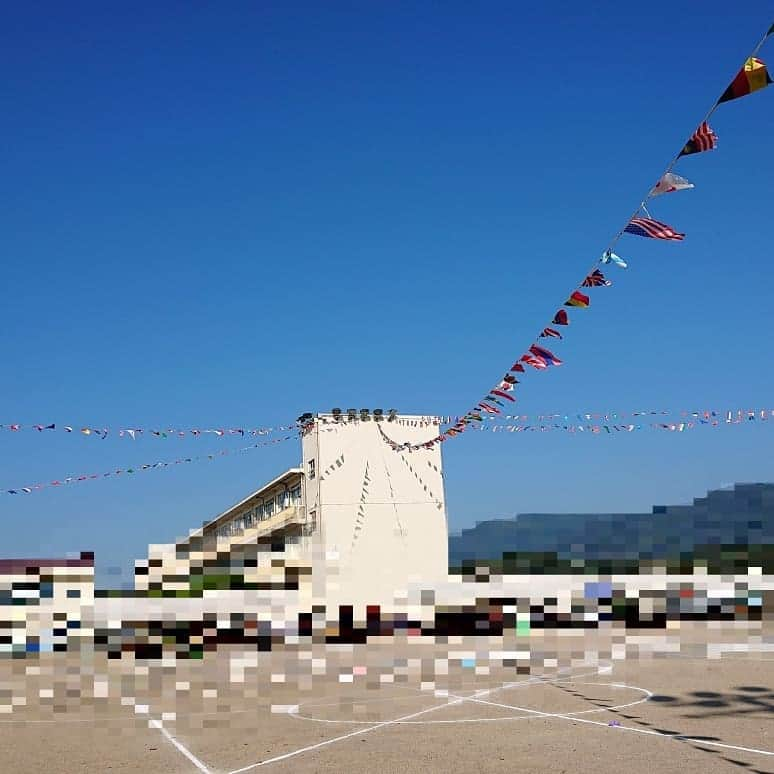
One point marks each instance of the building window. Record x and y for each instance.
(268, 508)
(295, 495)
(310, 465)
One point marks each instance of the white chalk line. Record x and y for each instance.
(423, 693)
(180, 747)
(358, 732)
(617, 707)
(375, 727)
(647, 731)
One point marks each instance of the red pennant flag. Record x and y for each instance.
(535, 362)
(545, 355)
(504, 395)
(578, 299)
(487, 407)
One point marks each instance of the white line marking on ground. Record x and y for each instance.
(383, 724)
(677, 737)
(617, 707)
(181, 748)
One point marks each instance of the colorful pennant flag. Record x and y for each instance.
(550, 333)
(561, 318)
(517, 367)
(146, 466)
(490, 409)
(669, 183)
(535, 362)
(578, 299)
(653, 229)
(703, 139)
(596, 280)
(545, 354)
(752, 77)
(611, 257)
(504, 394)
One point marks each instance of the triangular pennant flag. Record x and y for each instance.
(550, 333)
(652, 229)
(596, 280)
(611, 257)
(703, 139)
(488, 408)
(669, 183)
(578, 299)
(752, 77)
(503, 394)
(535, 362)
(545, 354)
(561, 318)
(518, 367)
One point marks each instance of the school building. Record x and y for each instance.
(359, 521)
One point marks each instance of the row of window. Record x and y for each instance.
(264, 510)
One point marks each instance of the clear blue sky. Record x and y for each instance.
(231, 214)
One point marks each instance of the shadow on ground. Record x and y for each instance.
(755, 700)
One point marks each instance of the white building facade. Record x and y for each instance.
(359, 522)
(377, 515)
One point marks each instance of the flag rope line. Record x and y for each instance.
(692, 419)
(540, 358)
(182, 434)
(133, 432)
(674, 161)
(141, 468)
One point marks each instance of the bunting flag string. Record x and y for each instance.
(728, 415)
(598, 428)
(134, 432)
(700, 419)
(689, 420)
(752, 77)
(141, 468)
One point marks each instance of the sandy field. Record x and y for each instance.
(697, 697)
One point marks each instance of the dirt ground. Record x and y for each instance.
(696, 699)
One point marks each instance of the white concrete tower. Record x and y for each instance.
(377, 516)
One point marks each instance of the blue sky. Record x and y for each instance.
(229, 215)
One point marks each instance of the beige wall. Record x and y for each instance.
(381, 513)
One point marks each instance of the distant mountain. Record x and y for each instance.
(742, 515)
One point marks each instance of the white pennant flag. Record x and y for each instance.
(670, 182)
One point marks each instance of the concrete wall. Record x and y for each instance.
(381, 514)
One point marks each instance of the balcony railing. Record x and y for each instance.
(291, 516)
